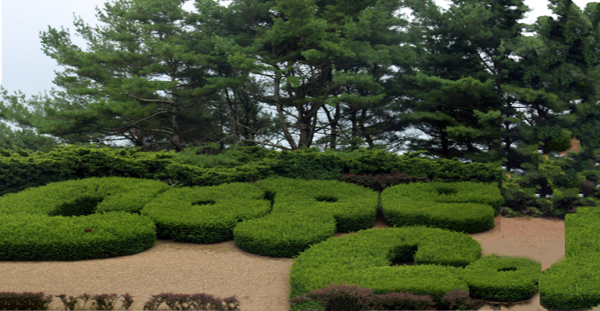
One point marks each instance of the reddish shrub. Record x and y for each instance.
(458, 299)
(381, 181)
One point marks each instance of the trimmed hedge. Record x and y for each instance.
(205, 214)
(92, 218)
(305, 212)
(502, 278)
(365, 258)
(468, 207)
(21, 170)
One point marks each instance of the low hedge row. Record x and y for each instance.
(20, 170)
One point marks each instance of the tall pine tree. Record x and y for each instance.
(315, 55)
(458, 93)
(134, 81)
(559, 70)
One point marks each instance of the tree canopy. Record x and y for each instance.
(145, 77)
(160, 77)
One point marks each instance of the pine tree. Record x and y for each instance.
(458, 95)
(558, 71)
(315, 55)
(117, 87)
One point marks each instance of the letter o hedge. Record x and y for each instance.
(496, 278)
(205, 214)
(468, 207)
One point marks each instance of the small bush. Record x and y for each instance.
(343, 297)
(104, 302)
(459, 299)
(558, 144)
(193, 302)
(354, 298)
(381, 181)
(24, 301)
(403, 301)
(588, 188)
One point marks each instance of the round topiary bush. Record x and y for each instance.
(497, 278)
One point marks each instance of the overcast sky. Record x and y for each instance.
(25, 68)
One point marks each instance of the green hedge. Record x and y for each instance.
(306, 212)
(205, 214)
(19, 171)
(50, 222)
(463, 206)
(365, 258)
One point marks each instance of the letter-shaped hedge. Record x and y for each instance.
(574, 281)
(443, 260)
(105, 217)
(468, 207)
(53, 222)
(205, 214)
(507, 279)
(306, 212)
(365, 258)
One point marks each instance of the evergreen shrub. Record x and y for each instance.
(558, 144)
(381, 181)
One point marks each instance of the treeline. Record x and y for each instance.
(160, 77)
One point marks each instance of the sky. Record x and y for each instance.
(24, 67)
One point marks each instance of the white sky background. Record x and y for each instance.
(25, 67)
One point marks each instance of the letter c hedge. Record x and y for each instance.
(50, 222)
